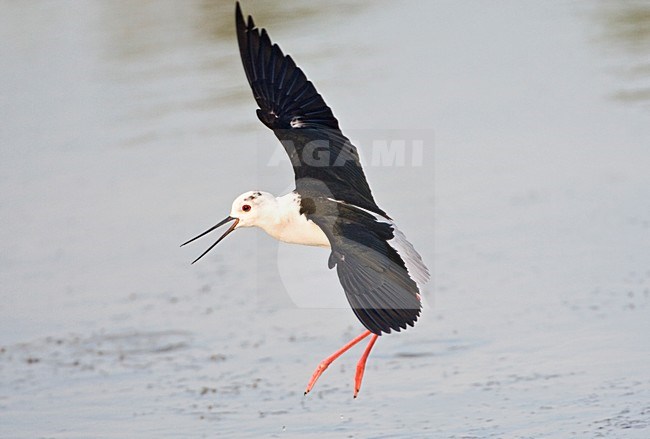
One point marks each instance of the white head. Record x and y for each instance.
(253, 208)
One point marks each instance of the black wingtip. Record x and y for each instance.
(241, 24)
(239, 17)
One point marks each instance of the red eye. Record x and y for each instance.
(246, 207)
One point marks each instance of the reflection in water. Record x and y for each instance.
(626, 32)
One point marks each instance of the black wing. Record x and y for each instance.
(375, 278)
(290, 105)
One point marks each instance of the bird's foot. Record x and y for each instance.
(326, 362)
(317, 373)
(361, 365)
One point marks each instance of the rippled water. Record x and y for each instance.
(128, 127)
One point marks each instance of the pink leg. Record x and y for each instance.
(361, 365)
(326, 362)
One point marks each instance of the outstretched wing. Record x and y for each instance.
(378, 268)
(290, 105)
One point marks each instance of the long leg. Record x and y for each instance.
(326, 362)
(361, 365)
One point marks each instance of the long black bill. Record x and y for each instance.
(230, 229)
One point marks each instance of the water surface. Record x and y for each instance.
(128, 127)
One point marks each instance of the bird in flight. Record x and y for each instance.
(332, 205)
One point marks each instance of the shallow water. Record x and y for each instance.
(128, 127)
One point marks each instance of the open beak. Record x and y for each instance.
(230, 229)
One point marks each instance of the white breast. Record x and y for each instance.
(294, 228)
(300, 230)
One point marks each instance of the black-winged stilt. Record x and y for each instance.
(332, 205)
